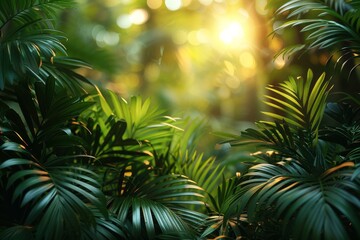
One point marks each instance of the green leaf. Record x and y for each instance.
(159, 200)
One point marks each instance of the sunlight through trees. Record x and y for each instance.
(179, 119)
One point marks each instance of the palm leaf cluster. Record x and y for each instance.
(308, 180)
(307, 185)
(298, 108)
(29, 43)
(326, 24)
(306, 206)
(300, 102)
(79, 162)
(37, 170)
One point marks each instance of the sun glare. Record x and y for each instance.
(232, 33)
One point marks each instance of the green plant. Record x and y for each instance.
(44, 193)
(77, 165)
(326, 24)
(307, 185)
(80, 162)
(144, 190)
(41, 177)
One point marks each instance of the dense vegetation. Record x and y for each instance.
(80, 162)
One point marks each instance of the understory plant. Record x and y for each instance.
(307, 183)
(79, 162)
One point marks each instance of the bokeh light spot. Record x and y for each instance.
(173, 5)
(104, 37)
(111, 38)
(139, 16)
(247, 60)
(96, 29)
(154, 4)
(124, 21)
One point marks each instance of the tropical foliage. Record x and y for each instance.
(80, 162)
(308, 182)
(310, 188)
(327, 24)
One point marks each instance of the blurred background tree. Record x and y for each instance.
(211, 58)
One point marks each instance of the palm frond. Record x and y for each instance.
(23, 11)
(298, 7)
(106, 228)
(40, 154)
(301, 102)
(289, 51)
(277, 142)
(29, 44)
(152, 206)
(345, 130)
(299, 108)
(207, 173)
(325, 24)
(354, 155)
(62, 69)
(344, 112)
(110, 147)
(144, 120)
(188, 139)
(52, 191)
(151, 132)
(327, 203)
(356, 174)
(18, 233)
(273, 136)
(218, 226)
